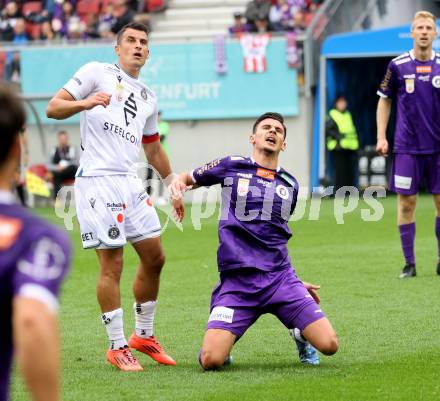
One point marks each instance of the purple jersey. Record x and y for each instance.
(256, 205)
(34, 257)
(416, 85)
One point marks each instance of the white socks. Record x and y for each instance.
(298, 335)
(115, 328)
(144, 315)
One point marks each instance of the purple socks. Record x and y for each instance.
(407, 235)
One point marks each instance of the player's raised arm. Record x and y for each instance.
(382, 118)
(63, 105)
(36, 344)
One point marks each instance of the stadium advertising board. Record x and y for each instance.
(183, 76)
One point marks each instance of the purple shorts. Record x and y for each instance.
(241, 297)
(409, 171)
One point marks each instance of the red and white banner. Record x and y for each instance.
(254, 52)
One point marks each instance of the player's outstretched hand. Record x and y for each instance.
(98, 99)
(178, 209)
(382, 147)
(313, 291)
(177, 188)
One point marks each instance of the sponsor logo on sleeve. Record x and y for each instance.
(263, 173)
(77, 80)
(402, 182)
(436, 81)
(222, 314)
(144, 94)
(409, 85)
(386, 81)
(208, 166)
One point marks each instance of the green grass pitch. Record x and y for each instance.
(389, 329)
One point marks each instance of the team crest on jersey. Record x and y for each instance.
(282, 192)
(144, 94)
(436, 81)
(242, 186)
(409, 85)
(113, 232)
(119, 90)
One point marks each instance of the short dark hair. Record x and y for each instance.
(12, 120)
(132, 25)
(274, 116)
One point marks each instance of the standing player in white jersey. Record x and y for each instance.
(118, 114)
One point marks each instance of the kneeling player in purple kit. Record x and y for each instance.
(34, 258)
(413, 79)
(256, 275)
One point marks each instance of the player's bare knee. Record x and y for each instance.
(329, 346)
(407, 206)
(157, 263)
(210, 360)
(112, 270)
(160, 261)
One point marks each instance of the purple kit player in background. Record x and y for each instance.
(256, 275)
(414, 80)
(34, 258)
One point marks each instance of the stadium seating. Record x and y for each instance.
(153, 6)
(32, 7)
(33, 30)
(85, 7)
(195, 18)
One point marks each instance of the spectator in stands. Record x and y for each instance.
(9, 16)
(257, 10)
(122, 15)
(92, 27)
(297, 5)
(298, 22)
(106, 21)
(46, 31)
(76, 28)
(60, 23)
(280, 16)
(63, 162)
(261, 25)
(12, 64)
(239, 26)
